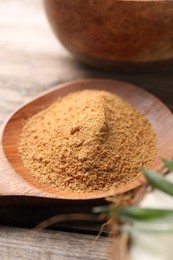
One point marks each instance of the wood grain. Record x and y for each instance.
(50, 245)
(32, 61)
(114, 34)
(30, 64)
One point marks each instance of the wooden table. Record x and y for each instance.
(32, 60)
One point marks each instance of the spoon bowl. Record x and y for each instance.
(15, 179)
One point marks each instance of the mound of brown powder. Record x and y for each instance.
(88, 140)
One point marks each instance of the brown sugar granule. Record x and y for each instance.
(87, 141)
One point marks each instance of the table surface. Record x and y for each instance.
(31, 61)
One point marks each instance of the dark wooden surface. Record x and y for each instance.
(31, 61)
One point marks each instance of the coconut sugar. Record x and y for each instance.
(87, 141)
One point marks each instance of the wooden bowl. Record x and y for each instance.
(15, 179)
(114, 34)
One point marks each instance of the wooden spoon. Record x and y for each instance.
(15, 179)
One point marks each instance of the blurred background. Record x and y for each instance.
(33, 60)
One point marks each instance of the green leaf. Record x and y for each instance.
(133, 213)
(168, 164)
(151, 228)
(158, 181)
(143, 214)
(102, 209)
(109, 210)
